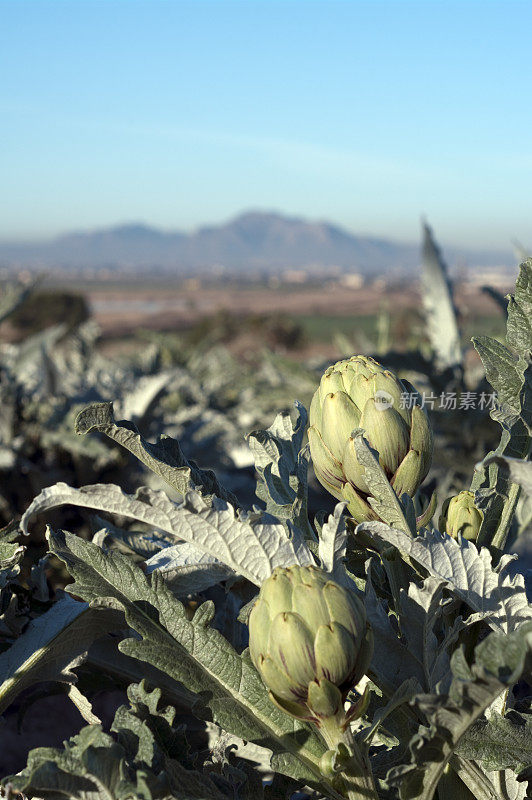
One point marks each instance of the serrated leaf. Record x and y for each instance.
(399, 664)
(502, 370)
(282, 465)
(251, 545)
(420, 611)
(91, 767)
(189, 651)
(500, 600)
(333, 544)
(519, 328)
(383, 499)
(83, 705)
(146, 732)
(510, 373)
(499, 661)
(165, 458)
(187, 569)
(500, 742)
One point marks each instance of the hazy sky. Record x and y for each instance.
(181, 113)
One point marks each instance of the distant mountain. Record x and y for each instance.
(250, 242)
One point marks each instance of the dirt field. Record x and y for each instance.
(119, 310)
(301, 319)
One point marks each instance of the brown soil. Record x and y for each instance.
(117, 311)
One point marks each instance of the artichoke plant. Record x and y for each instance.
(461, 516)
(360, 393)
(310, 642)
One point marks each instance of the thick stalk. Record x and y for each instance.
(357, 776)
(501, 534)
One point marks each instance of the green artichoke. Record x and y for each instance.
(360, 393)
(461, 516)
(310, 641)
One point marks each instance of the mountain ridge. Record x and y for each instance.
(254, 240)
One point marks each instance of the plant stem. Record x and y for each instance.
(499, 538)
(357, 775)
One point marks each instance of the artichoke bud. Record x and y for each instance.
(324, 698)
(461, 516)
(360, 393)
(309, 640)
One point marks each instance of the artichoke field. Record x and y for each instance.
(329, 609)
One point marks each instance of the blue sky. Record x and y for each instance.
(176, 114)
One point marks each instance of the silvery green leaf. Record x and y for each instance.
(333, 543)
(383, 499)
(520, 471)
(138, 543)
(519, 332)
(510, 374)
(282, 466)
(228, 686)
(400, 664)
(498, 663)
(135, 404)
(500, 600)
(52, 645)
(420, 612)
(188, 569)
(104, 657)
(91, 767)
(504, 371)
(147, 759)
(501, 742)
(165, 457)
(281, 440)
(83, 705)
(440, 311)
(251, 545)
